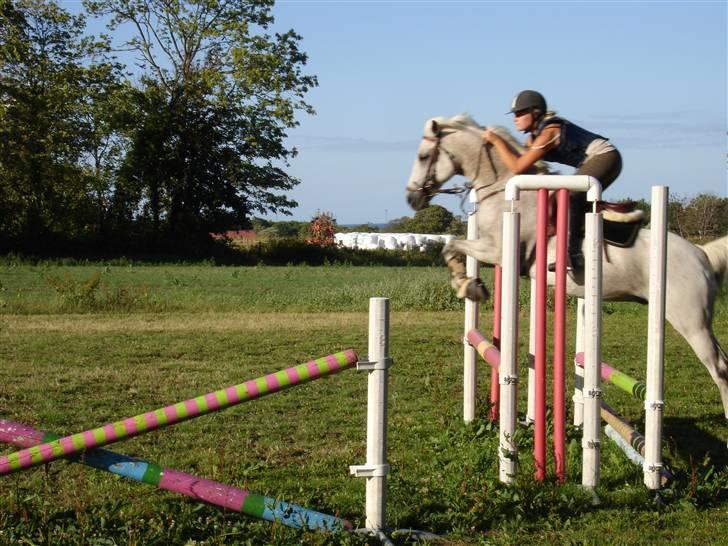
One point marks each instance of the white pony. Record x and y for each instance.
(453, 146)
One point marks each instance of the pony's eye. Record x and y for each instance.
(423, 157)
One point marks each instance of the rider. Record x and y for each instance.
(553, 138)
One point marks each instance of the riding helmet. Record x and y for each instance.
(528, 100)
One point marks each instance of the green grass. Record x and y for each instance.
(85, 345)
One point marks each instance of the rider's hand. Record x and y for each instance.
(488, 136)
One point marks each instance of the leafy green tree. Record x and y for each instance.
(287, 229)
(209, 121)
(50, 77)
(432, 219)
(398, 225)
(457, 226)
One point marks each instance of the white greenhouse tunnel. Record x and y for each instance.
(390, 241)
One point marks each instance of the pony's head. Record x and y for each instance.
(434, 165)
(453, 146)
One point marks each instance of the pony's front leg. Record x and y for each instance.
(464, 286)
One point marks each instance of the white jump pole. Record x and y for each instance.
(531, 408)
(508, 372)
(376, 468)
(579, 370)
(654, 403)
(592, 350)
(470, 358)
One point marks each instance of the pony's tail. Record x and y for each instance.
(717, 253)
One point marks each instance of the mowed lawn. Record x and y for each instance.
(83, 345)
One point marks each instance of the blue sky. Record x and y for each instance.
(651, 76)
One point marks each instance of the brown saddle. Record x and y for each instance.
(622, 221)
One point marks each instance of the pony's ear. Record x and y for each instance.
(432, 128)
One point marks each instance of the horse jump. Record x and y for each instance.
(654, 473)
(509, 327)
(653, 399)
(40, 448)
(453, 145)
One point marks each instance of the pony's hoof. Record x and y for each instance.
(475, 290)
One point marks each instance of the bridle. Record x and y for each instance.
(429, 182)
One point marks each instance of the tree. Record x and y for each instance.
(702, 217)
(215, 104)
(432, 219)
(398, 225)
(50, 82)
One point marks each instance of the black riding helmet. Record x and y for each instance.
(529, 100)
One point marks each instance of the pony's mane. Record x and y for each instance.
(465, 122)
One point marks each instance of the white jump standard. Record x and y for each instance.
(509, 324)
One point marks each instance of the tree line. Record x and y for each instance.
(699, 219)
(189, 140)
(190, 143)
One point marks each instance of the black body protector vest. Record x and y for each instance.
(573, 142)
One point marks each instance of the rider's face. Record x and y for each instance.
(523, 120)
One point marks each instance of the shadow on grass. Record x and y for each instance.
(689, 437)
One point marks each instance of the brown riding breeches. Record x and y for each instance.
(605, 168)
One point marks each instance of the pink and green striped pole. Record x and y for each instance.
(621, 380)
(177, 413)
(169, 479)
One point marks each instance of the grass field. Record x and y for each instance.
(84, 345)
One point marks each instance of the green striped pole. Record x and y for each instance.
(194, 487)
(177, 413)
(620, 380)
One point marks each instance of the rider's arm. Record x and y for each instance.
(538, 148)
